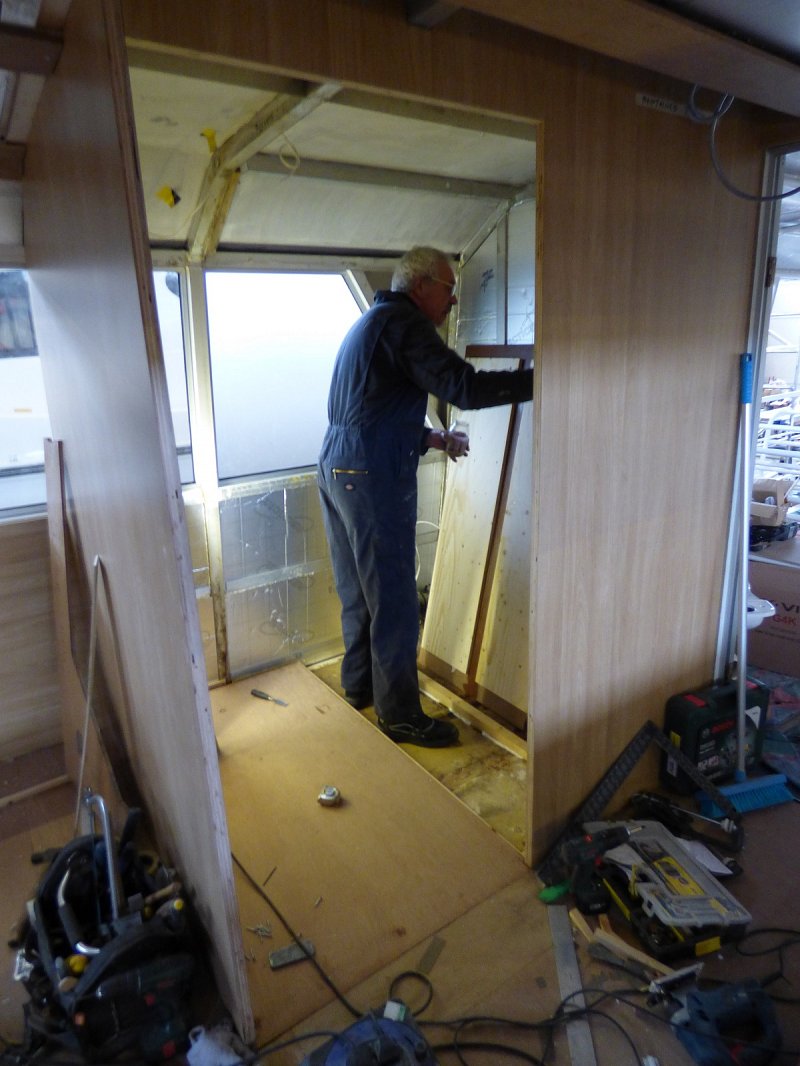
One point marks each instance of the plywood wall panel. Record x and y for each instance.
(461, 555)
(638, 411)
(92, 299)
(30, 715)
(643, 290)
(504, 653)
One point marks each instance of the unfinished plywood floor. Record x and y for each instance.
(493, 959)
(497, 962)
(398, 860)
(488, 779)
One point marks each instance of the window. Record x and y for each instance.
(273, 340)
(24, 422)
(170, 324)
(777, 448)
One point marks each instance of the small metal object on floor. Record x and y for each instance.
(330, 796)
(302, 949)
(579, 1035)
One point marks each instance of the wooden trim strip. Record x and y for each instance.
(34, 790)
(501, 736)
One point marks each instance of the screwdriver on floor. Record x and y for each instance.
(266, 696)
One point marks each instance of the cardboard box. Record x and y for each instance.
(776, 490)
(775, 644)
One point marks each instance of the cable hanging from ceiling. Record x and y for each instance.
(712, 119)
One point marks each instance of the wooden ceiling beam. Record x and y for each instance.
(219, 183)
(419, 111)
(385, 177)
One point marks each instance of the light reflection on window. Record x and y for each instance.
(273, 339)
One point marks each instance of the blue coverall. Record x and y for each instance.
(388, 363)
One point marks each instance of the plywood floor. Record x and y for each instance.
(488, 779)
(497, 961)
(398, 860)
(492, 956)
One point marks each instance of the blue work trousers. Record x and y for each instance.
(370, 521)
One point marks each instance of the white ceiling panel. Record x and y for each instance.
(358, 135)
(274, 211)
(172, 170)
(171, 110)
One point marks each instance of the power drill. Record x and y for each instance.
(583, 855)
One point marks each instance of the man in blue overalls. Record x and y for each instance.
(388, 364)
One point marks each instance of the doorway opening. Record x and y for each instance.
(329, 197)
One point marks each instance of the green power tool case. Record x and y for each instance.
(702, 723)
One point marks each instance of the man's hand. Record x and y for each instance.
(456, 444)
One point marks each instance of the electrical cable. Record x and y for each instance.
(592, 1011)
(479, 1045)
(418, 976)
(712, 119)
(565, 1013)
(791, 939)
(267, 1049)
(625, 996)
(295, 937)
(290, 159)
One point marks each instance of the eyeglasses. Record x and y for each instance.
(451, 285)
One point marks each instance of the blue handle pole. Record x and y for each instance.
(744, 585)
(747, 378)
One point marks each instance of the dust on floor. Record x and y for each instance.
(488, 779)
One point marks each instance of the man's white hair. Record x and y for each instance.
(418, 262)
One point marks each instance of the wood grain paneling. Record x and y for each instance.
(662, 40)
(643, 289)
(30, 714)
(91, 291)
(642, 323)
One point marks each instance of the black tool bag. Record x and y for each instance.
(105, 970)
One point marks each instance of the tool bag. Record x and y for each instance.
(106, 970)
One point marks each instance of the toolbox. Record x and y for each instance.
(702, 723)
(672, 903)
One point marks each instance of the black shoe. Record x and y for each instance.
(424, 731)
(359, 700)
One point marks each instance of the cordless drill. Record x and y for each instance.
(584, 855)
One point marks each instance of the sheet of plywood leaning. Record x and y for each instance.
(91, 288)
(397, 860)
(465, 530)
(476, 625)
(503, 664)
